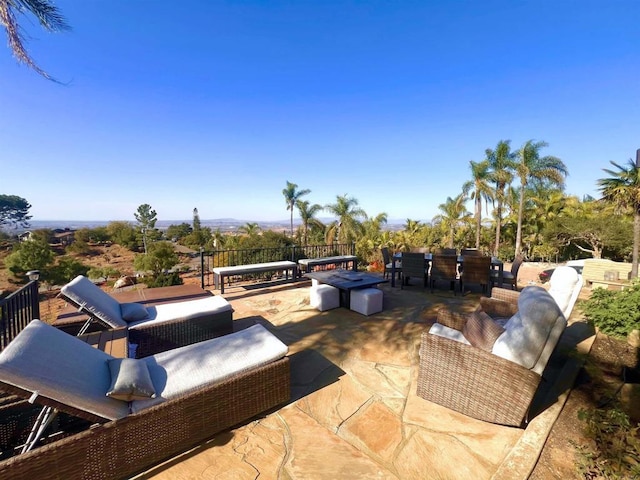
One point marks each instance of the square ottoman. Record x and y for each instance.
(366, 301)
(324, 297)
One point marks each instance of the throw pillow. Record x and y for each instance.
(132, 312)
(481, 330)
(130, 380)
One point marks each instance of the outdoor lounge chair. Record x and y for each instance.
(152, 329)
(471, 364)
(191, 393)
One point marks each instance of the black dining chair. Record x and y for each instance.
(510, 277)
(413, 266)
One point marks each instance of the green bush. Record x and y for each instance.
(615, 313)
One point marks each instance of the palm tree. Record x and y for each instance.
(530, 167)
(307, 215)
(48, 16)
(479, 189)
(501, 163)
(250, 228)
(453, 214)
(622, 189)
(291, 196)
(348, 226)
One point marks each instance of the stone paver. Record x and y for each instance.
(354, 412)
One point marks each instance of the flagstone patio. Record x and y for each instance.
(354, 412)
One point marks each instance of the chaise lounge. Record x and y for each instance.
(152, 329)
(144, 410)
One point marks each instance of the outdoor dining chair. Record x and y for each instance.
(388, 263)
(413, 266)
(475, 269)
(511, 277)
(444, 268)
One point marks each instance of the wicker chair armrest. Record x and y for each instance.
(505, 295)
(451, 319)
(497, 308)
(474, 382)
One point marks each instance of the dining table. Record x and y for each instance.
(496, 264)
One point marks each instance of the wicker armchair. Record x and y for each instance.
(467, 363)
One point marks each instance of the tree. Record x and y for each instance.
(479, 189)
(48, 16)
(250, 228)
(13, 209)
(65, 270)
(307, 215)
(622, 189)
(530, 167)
(178, 232)
(291, 196)
(123, 234)
(146, 218)
(453, 214)
(348, 227)
(160, 259)
(30, 255)
(501, 163)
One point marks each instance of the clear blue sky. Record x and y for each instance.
(215, 105)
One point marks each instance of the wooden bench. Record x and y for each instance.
(307, 264)
(596, 273)
(219, 273)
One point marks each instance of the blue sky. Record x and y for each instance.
(215, 105)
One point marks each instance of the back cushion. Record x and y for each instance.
(562, 285)
(83, 292)
(526, 333)
(57, 365)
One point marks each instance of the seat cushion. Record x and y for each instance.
(130, 380)
(526, 333)
(132, 312)
(177, 372)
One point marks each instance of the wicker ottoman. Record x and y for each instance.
(366, 301)
(324, 297)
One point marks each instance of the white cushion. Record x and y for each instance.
(89, 296)
(59, 366)
(183, 310)
(177, 372)
(132, 312)
(526, 333)
(448, 332)
(564, 286)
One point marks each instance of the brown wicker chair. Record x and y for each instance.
(124, 446)
(475, 269)
(475, 380)
(444, 268)
(413, 266)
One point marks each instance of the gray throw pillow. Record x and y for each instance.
(132, 312)
(130, 380)
(481, 330)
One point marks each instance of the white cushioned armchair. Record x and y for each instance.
(472, 364)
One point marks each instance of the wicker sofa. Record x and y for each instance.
(198, 390)
(472, 364)
(156, 328)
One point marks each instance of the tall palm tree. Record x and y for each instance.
(348, 225)
(531, 167)
(291, 196)
(622, 189)
(307, 215)
(502, 165)
(250, 228)
(479, 189)
(48, 16)
(453, 214)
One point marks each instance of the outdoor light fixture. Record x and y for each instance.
(33, 274)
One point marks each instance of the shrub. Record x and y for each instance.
(615, 313)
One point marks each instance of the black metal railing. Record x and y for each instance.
(17, 310)
(248, 256)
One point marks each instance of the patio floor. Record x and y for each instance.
(354, 412)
